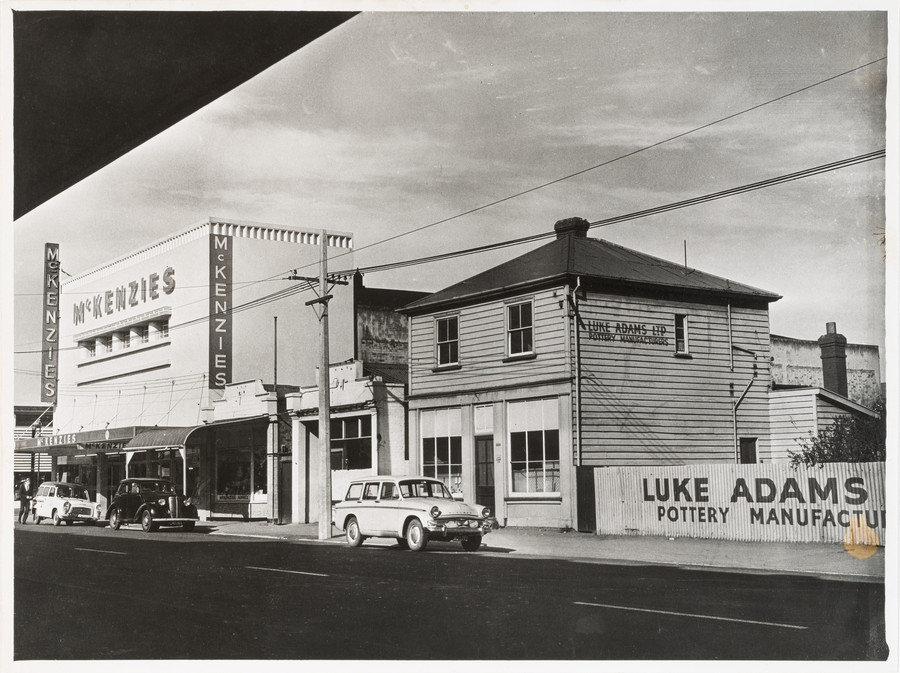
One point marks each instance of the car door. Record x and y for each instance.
(128, 499)
(39, 499)
(390, 514)
(367, 510)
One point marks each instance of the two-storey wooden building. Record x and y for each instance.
(581, 354)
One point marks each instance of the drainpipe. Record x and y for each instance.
(577, 373)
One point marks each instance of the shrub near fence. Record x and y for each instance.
(775, 502)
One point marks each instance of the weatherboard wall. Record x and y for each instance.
(483, 361)
(644, 404)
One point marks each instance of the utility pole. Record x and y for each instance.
(324, 399)
(324, 385)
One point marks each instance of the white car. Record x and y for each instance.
(413, 510)
(60, 501)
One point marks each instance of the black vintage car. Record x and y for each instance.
(152, 503)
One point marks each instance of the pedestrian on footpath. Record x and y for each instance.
(24, 495)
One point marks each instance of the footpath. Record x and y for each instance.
(829, 561)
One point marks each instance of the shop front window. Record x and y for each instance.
(233, 474)
(241, 466)
(351, 443)
(441, 431)
(534, 446)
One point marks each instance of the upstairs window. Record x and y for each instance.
(519, 329)
(681, 334)
(447, 340)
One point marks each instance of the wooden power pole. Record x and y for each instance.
(324, 399)
(324, 386)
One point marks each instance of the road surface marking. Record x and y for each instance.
(280, 570)
(102, 551)
(687, 614)
(261, 537)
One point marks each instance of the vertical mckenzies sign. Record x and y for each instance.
(50, 324)
(220, 308)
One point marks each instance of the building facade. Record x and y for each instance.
(797, 363)
(583, 354)
(816, 382)
(164, 353)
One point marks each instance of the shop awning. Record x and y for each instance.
(176, 438)
(161, 438)
(113, 440)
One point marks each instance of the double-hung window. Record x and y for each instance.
(447, 341)
(519, 329)
(681, 334)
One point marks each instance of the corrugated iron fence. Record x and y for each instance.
(775, 502)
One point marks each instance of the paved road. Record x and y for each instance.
(99, 594)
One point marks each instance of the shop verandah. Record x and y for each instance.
(223, 465)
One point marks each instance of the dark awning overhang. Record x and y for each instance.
(177, 437)
(114, 440)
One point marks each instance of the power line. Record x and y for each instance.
(618, 158)
(770, 182)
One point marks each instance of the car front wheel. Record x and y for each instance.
(471, 543)
(416, 535)
(56, 519)
(115, 521)
(354, 537)
(147, 521)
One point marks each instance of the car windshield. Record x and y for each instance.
(80, 492)
(157, 487)
(420, 488)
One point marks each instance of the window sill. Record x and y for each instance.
(684, 356)
(539, 498)
(520, 358)
(446, 368)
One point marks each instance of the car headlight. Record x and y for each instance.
(435, 512)
(486, 512)
(67, 506)
(98, 510)
(161, 502)
(187, 502)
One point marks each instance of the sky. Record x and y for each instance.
(396, 121)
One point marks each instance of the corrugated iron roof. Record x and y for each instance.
(590, 259)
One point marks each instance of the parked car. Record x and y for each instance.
(152, 503)
(413, 510)
(61, 501)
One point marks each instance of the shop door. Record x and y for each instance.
(115, 472)
(284, 492)
(484, 472)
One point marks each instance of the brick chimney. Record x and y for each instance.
(573, 226)
(834, 360)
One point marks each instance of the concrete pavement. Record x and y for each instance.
(820, 560)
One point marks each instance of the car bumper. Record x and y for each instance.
(81, 517)
(163, 521)
(448, 531)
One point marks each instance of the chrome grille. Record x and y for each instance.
(174, 507)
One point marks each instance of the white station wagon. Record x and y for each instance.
(61, 501)
(413, 510)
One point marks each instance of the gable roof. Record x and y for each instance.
(612, 266)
